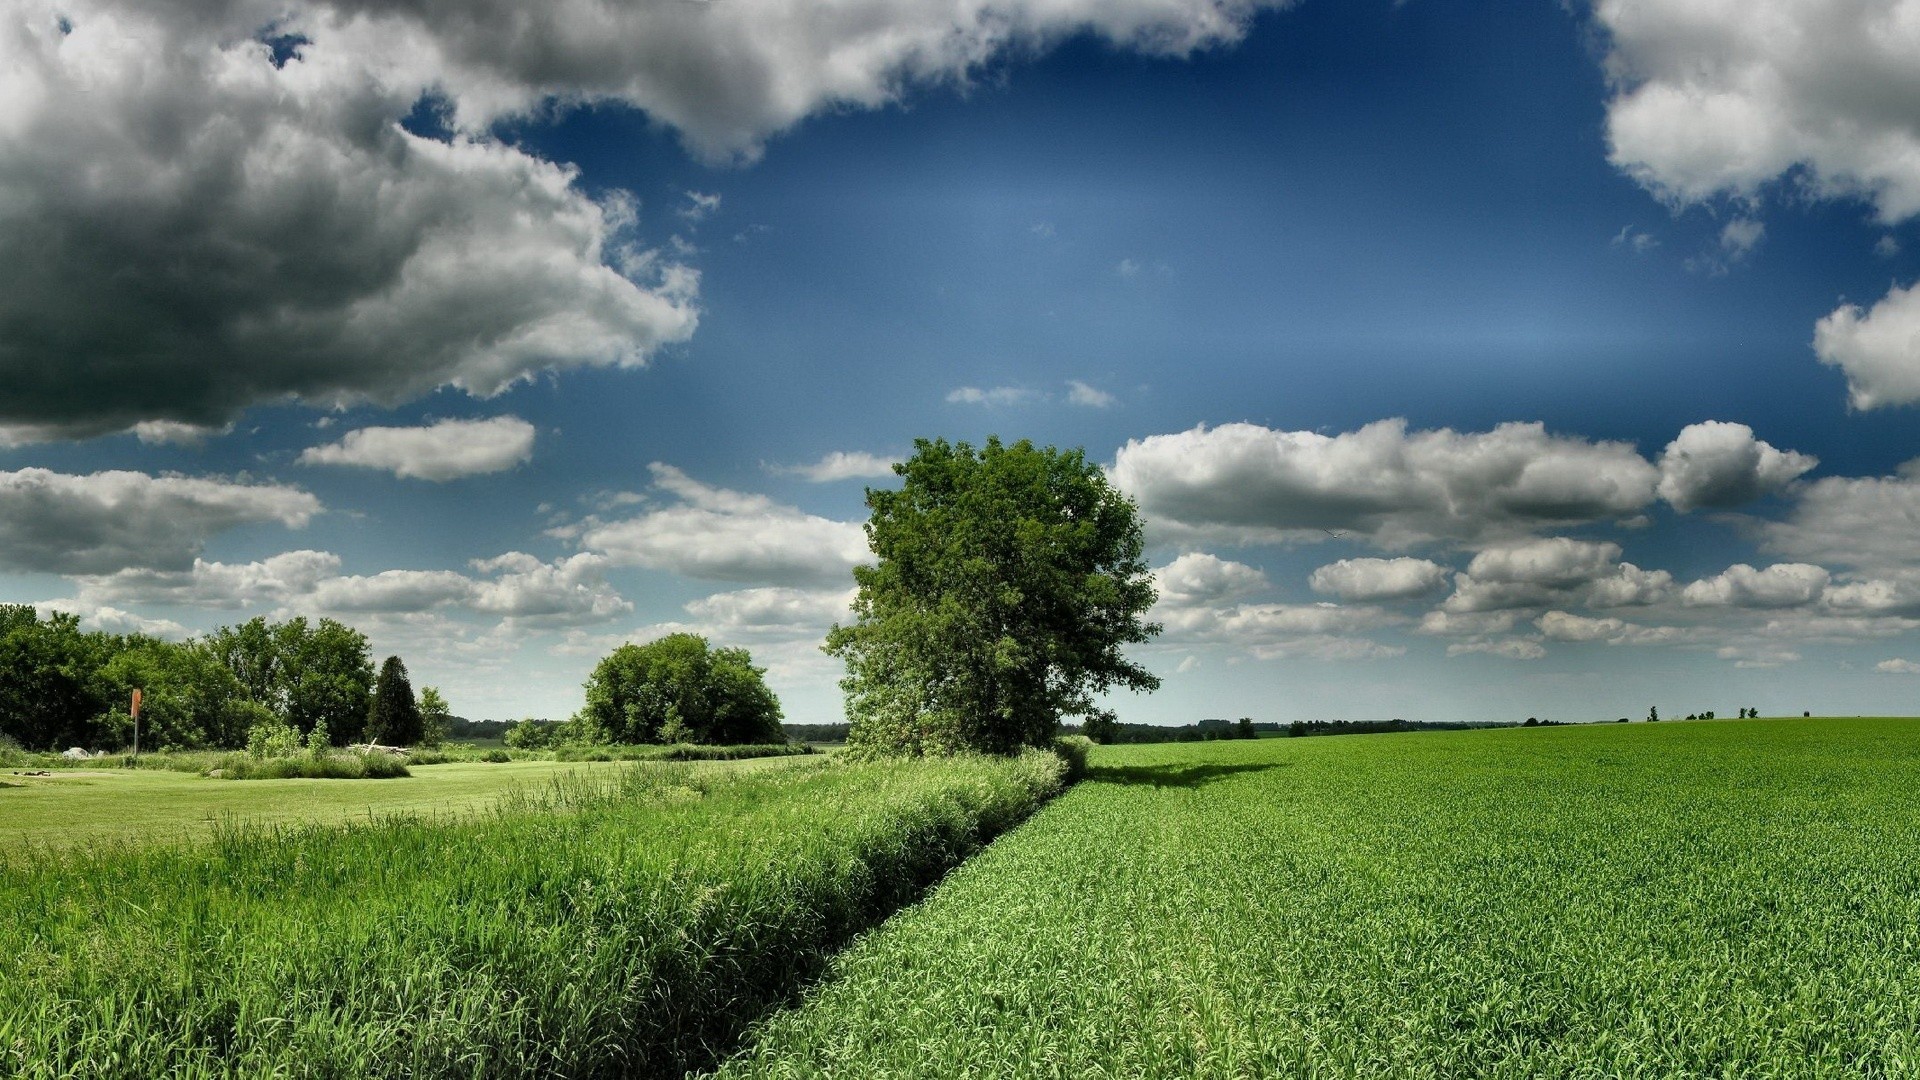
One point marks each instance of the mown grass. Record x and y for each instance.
(1715, 899)
(623, 926)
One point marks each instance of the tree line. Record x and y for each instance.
(62, 686)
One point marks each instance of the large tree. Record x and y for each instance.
(679, 688)
(1008, 580)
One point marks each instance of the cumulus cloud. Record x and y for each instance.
(1444, 623)
(1737, 240)
(1716, 465)
(112, 620)
(772, 612)
(106, 521)
(1378, 579)
(1245, 483)
(1878, 349)
(1862, 522)
(1563, 626)
(842, 465)
(995, 396)
(1079, 393)
(1505, 648)
(720, 535)
(1897, 666)
(1777, 586)
(194, 228)
(447, 450)
(1629, 586)
(513, 586)
(1256, 624)
(1197, 578)
(1712, 100)
(1532, 573)
(208, 584)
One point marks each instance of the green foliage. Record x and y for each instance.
(326, 764)
(393, 716)
(678, 688)
(496, 757)
(272, 738)
(1074, 750)
(1008, 581)
(531, 734)
(637, 933)
(1583, 901)
(436, 720)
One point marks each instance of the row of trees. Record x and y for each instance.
(63, 686)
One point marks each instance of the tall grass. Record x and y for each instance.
(347, 766)
(620, 927)
(1705, 900)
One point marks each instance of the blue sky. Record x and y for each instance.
(1467, 360)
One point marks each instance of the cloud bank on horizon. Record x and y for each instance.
(219, 221)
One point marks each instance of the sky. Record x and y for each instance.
(1467, 361)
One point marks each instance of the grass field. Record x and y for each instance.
(1728, 899)
(629, 924)
(80, 806)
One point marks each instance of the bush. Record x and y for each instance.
(496, 757)
(273, 739)
(1073, 749)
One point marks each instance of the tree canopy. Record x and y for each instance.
(1008, 580)
(63, 686)
(678, 689)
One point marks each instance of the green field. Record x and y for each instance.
(1712, 899)
(626, 923)
(80, 806)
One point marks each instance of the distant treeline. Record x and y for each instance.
(816, 733)
(1372, 727)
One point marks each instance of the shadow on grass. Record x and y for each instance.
(1173, 776)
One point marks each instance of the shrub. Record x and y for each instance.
(1073, 749)
(272, 739)
(331, 767)
(496, 757)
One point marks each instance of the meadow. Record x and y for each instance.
(629, 922)
(73, 807)
(1729, 899)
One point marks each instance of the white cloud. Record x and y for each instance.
(773, 612)
(1629, 586)
(1378, 579)
(1505, 648)
(1243, 483)
(1633, 239)
(446, 450)
(842, 465)
(1562, 626)
(1716, 464)
(720, 535)
(527, 590)
(1777, 586)
(274, 580)
(996, 396)
(174, 433)
(1886, 247)
(700, 204)
(1079, 393)
(1897, 667)
(1737, 240)
(513, 586)
(1878, 349)
(1865, 522)
(1127, 268)
(1444, 623)
(1719, 99)
(1252, 624)
(106, 521)
(1533, 573)
(1197, 579)
(1328, 648)
(112, 620)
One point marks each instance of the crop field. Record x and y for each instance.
(1731, 899)
(630, 922)
(81, 806)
